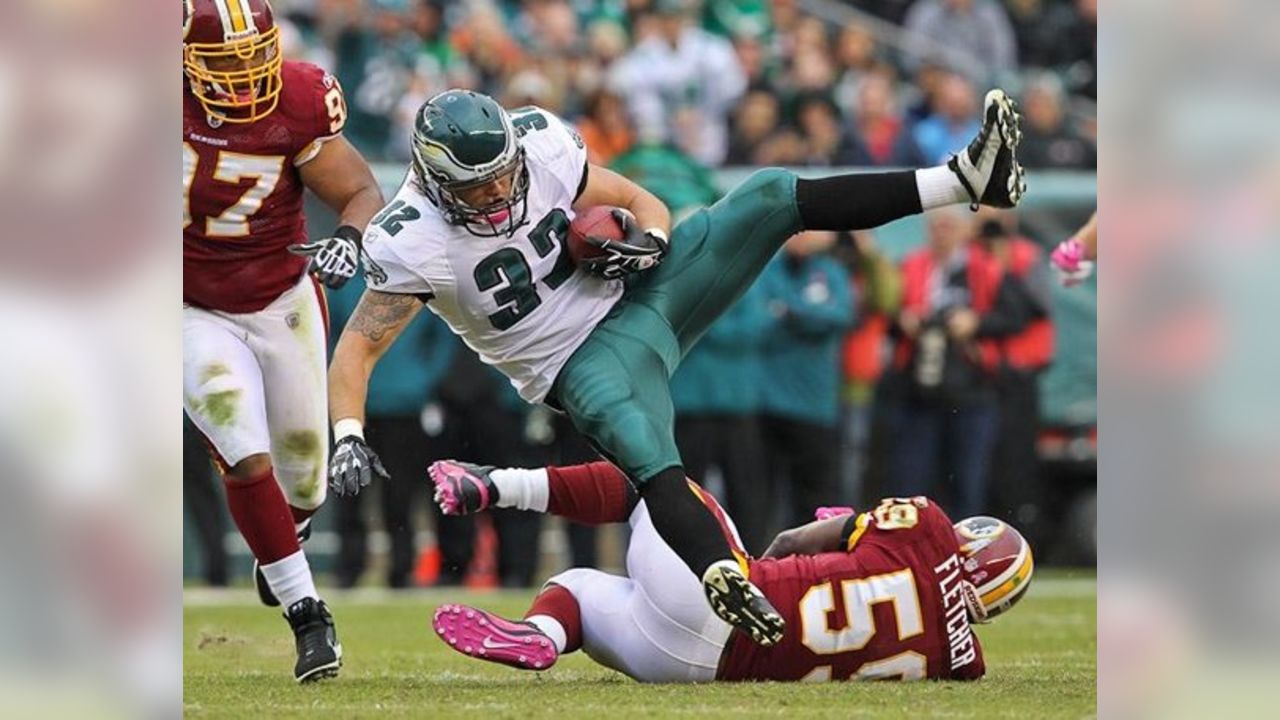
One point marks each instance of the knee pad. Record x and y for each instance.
(772, 184)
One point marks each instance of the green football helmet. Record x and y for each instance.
(463, 140)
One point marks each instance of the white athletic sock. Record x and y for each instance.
(290, 579)
(522, 489)
(939, 187)
(550, 627)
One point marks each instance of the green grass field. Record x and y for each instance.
(238, 658)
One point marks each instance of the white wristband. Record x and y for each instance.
(347, 427)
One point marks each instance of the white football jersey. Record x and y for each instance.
(519, 302)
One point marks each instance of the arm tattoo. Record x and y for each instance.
(379, 312)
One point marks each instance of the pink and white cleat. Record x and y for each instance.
(462, 488)
(486, 636)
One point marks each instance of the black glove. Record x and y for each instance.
(353, 466)
(637, 251)
(334, 259)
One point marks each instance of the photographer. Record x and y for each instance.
(955, 307)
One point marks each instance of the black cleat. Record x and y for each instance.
(267, 597)
(319, 652)
(989, 168)
(736, 601)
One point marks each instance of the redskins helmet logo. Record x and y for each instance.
(188, 12)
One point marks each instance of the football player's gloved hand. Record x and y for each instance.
(353, 466)
(1070, 264)
(334, 259)
(637, 251)
(826, 513)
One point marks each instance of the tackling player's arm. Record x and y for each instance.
(646, 229)
(340, 177)
(378, 320)
(819, 536)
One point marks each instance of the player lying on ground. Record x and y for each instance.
(888, 593)
(477, 234)
(256, 130)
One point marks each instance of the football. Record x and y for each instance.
(597, 222)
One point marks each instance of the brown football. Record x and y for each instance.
(596, 222)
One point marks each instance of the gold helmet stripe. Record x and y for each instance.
(237, 16)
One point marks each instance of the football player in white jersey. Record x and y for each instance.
(477, 233)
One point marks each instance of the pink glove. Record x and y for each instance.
(1070, 264)
(825, 513)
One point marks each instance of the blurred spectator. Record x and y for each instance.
(405, 424)
(1047, 140)
(682, 78)
(378, 58)
(855, 59)
(955, 121)
(955, 309)
(547, 27)
(819, 121)
(811, 302)
(716, 392)
(757, 66)
(968, 31)
(879, 291)
(876, 135)
(678, 180)
(532, 87)
(605, 128)
(732, 18)
(920, 96)
(1043, 29)
(812, 74)
(482, 38)
(1026, 335)
(204, 503)
(1076, 55)
(755, 121)
(438, 68)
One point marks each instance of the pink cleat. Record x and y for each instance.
(485, 636)
(462, 488)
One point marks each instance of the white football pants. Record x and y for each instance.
(256, 383)
(655, 625)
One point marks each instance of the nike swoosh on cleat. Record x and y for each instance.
(489, 644)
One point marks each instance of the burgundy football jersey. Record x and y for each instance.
(888, 608)
(242, 192)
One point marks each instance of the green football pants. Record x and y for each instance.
(615, 387)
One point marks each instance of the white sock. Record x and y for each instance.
(290, 579)
(939, 187)
(550, 627)
(522, 489)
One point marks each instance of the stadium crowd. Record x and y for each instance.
(777, 404)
